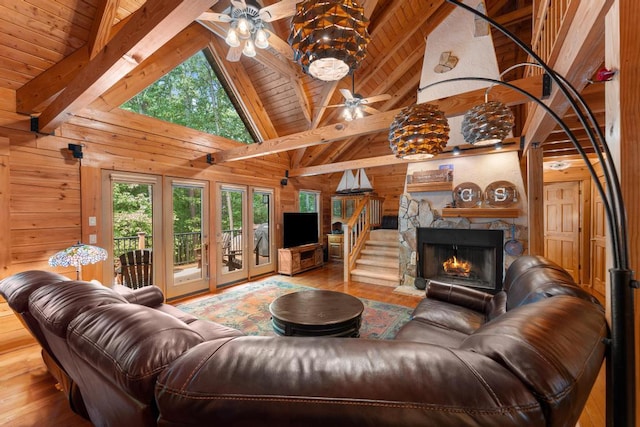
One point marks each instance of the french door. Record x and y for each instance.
(168, 217)
(186, 226)
(132, 220)
(245, 246)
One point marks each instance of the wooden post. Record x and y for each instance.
(141, 243)
(5, 193)
(535, 201)
(622, 41)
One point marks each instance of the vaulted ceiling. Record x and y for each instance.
(66, 56)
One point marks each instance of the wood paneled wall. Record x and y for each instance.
(48, 195)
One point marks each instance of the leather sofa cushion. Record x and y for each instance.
(497, 306)
(551, 353)
(540, 282)
(151, 296)
(17, 288)
(129, 344)
(428, 333)
(319, 382)
(525, 263)
(55, 306)
(177, 313)
(449, 316)
(211, 330)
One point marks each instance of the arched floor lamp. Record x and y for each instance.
(620, 360)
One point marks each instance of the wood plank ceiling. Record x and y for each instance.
(52, 52)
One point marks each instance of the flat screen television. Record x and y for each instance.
(300, 228)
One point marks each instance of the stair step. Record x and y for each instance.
(376, 266)
(393, 253)
(385, 233)
(364, 276)
(386, 263)
(383, 243)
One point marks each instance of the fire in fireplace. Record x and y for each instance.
(455, 267)
(472, 258)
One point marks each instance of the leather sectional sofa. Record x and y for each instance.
(527, 356)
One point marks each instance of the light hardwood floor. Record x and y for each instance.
(28, 396)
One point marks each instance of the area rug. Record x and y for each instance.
(246, 308)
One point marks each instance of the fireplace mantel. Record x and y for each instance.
(480, 212)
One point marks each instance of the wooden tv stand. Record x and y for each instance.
(299, 258)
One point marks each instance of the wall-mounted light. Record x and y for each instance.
(456, 151)
(285, 180)
(76, 150)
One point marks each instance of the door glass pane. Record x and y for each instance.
(132, 210)
(231, 209)
(187, 233)
(261, 227)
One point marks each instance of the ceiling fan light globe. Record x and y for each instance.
(249, 49)
(261, 39)
(232, 38)
(244, 28)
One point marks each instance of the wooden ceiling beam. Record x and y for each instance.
(46, 85)
(150, 27)
(286, 68)
(102, 25)
(583, 51)
(244, 91)
(387, 160)
(185, 44)
(515, 17)
(451, 106)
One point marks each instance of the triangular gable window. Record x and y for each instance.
(192, 95)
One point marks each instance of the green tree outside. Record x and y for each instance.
(191, 95)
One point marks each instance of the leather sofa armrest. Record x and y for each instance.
(459, 295)
(150, 296)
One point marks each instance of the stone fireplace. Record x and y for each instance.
(472, 258)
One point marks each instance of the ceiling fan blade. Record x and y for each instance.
(239, 4)
(376, 98)
(234, 54)
(213, 16)
(334, 106)
(346, 93)
(279, 10)
(369, 110)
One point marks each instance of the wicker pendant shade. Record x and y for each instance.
(329, 37)
(487, 123)
(419, 132)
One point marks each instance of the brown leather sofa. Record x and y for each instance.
(527, 356)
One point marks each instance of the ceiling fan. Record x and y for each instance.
(355, 105)
(247, 29)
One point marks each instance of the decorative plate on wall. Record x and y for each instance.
(501, 194)
(467, 195)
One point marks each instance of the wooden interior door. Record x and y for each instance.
(562, 225)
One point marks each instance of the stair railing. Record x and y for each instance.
(551, 23)
(367, 214)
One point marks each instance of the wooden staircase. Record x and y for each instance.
(378, 263)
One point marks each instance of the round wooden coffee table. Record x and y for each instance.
(317, 313)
